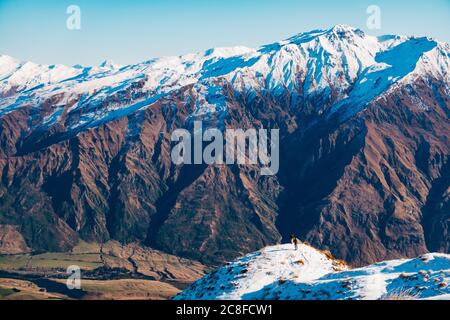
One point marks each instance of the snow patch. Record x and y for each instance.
(280, 272)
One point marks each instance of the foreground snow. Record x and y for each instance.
(280, 272)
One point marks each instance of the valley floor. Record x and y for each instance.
(109, 271)
(55, 289)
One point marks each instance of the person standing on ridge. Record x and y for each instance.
(295, 241)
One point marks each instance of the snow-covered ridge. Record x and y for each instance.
(341, 61)
(280, 272)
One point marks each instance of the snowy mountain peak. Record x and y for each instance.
(340, 65)
(7, 64)
(339, 31)
(4, 59)
(226, 52)
(256, 271)
(109, 64)
(280, 272)
(342, 28)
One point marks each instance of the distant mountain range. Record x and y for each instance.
(364, 170)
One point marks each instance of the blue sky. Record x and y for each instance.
(136, 30)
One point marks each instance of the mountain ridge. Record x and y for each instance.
(282, 273)
(302, 51)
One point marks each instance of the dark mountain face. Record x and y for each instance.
(364, 187)
(367, 180)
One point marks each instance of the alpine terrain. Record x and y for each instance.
(280, 272)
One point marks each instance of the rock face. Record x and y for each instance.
(365, 188)
(11, 241)
(85, 153)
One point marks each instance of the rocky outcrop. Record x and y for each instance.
(11, 241)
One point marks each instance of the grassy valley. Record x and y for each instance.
(108, 271)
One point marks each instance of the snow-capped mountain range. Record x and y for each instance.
(341, 65)
(282, 273)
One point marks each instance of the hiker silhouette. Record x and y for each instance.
(295, 241)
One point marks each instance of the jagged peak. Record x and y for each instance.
(108, 64)
(340, 31)
(343, 28)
